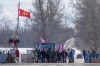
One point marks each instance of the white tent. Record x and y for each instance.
(69, 43)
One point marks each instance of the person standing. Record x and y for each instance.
(71, 56)
(73, 53)
(68, 55)
(32, 55)
(88, 57)
(84, 54)
(53, 56)
(9, 59)
(93, 54)
(43, 54)
(36, 56)
(48, 55)
(64, 54)
(39, 55)
(58, 56)
(3, 57)
(49, 52)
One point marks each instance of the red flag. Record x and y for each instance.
(42, 40)
(24, 13)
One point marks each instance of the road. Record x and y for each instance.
(52, 64)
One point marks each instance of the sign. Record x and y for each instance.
(48, 45)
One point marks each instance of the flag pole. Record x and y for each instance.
(18, 20)
(17, 27)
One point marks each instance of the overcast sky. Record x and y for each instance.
(10, 7)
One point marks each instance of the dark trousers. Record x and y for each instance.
(48, 60)
(71, 60)
(53, 59)
(64, 59)
(43, 60)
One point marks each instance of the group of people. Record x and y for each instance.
(88, 56)
(7, 57)
(40, 56)
(53, 56)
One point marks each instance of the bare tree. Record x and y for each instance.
(47, 17)
(1, 17)
(88, 21)
(5, 29)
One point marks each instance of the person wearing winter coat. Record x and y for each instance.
(64, 54)
(43, 55)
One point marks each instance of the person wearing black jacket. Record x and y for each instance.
(53, 56)
(43, 54)
(58, 56)
(49, 55)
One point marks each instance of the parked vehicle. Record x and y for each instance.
(79, 58)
